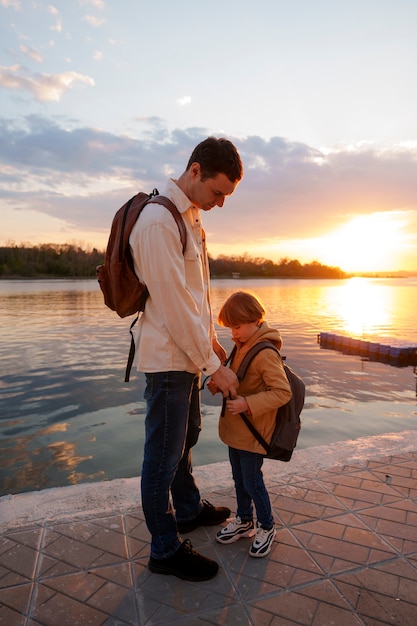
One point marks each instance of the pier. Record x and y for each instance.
(398, 355)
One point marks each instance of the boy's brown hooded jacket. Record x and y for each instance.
(265, 387)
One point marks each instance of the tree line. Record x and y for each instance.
(248, 267)
(72, 261)
(49, 261)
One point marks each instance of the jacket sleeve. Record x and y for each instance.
(275, 390)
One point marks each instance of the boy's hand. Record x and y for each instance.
(213, 388)
(237, 405)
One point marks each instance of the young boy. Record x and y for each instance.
(262, 391)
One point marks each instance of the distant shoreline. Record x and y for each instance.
(402, 275)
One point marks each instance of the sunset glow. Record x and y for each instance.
(367, 243)
(378, 242)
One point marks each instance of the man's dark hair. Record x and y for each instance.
(217, 156)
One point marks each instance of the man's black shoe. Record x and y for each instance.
(209, 516)
(186, 564)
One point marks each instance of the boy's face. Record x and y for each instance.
(243, 332)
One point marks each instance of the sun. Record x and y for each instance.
(367, 243)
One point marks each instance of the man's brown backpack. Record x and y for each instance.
(123, 291)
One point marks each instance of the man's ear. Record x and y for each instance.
(195, 170)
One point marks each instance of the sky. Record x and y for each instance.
(100, 99)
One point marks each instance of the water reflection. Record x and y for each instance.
(66, 416)
(364, 310)
(34, 468)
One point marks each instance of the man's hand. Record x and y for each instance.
(226, 381)
(220, 351)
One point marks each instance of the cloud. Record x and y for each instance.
(98, 4)
(11, 4)
(82, 175)
(32, 53)
(57, 27)
(184, 101)
(94, 21)
(44, 87)
(47, 147)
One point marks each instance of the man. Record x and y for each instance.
(175, 342)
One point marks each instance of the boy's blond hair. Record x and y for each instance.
(241, 307)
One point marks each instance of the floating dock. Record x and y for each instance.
(397, 355)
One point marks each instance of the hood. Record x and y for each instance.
(264, 333)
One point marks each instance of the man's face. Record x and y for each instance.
(210, 192)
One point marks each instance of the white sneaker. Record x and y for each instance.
(262, 544)
(235, 530)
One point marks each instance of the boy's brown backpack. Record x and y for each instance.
(123, 292)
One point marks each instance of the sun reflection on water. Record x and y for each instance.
(364, 308)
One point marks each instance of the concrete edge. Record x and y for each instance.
(108, 497)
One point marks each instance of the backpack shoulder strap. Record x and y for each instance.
(130, 213)
(249, 356)
(246, 361)
(168, 204)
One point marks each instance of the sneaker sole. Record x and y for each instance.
(247, 533)
(167, 571)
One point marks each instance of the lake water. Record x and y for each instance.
(67, 417)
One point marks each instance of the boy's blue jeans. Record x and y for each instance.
(250, 487)
(172, 427)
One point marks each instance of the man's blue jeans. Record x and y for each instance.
(250, 487)
(172, 427)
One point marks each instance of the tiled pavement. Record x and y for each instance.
(345, 554)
